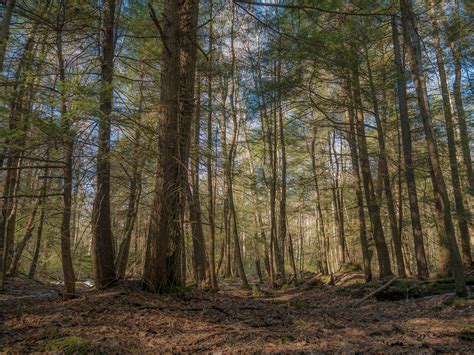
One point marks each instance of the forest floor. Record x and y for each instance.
(307, 318)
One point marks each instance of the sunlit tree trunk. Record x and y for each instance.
(461, 213)
(383, 164)
(319, 210)
(412, 43)
(422, 266)
(372, 205)
(352, 139)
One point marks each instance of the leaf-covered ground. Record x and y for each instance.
(307, 318)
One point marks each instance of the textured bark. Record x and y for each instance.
(372, 205)
(352, 139)
(68, 151)
(461, 212)
(453, 33)
(421, 262)
(102, 238)
(194, 203)
(443, 207)
(5, 30)
(165, 236)
(387, 186)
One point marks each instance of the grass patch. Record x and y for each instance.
(71, 345)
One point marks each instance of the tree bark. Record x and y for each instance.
(413, 46)
(102, 251)
(199, 247)
(165, 235)
(461, 213)
(383, 164)
(68, 151)
(422, 266)
(324, 261)
(352, 139)
(210, 151)
(5, 30)
(372, 205)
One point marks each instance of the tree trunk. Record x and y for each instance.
(461, 212)
(421, 262)
(29, 227)
(210, 150)
(5, 30)
(324, 261)
(453, 33)
(121, 260)
(352, 139)
(165, 236)
(372, 205)
(103, 252)
(230, 164)
(39, 237)
(383, 164)
(412, 43)
(199, 247)
(68, 151)
(283, 167)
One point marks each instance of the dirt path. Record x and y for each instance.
(126, 319)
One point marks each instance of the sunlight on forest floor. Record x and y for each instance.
(316, 318)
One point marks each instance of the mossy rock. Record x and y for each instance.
(71, 345)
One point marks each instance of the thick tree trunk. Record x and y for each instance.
(103, 251)
(413, 46)
(165, 236)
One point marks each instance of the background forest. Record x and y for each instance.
(171, 141)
